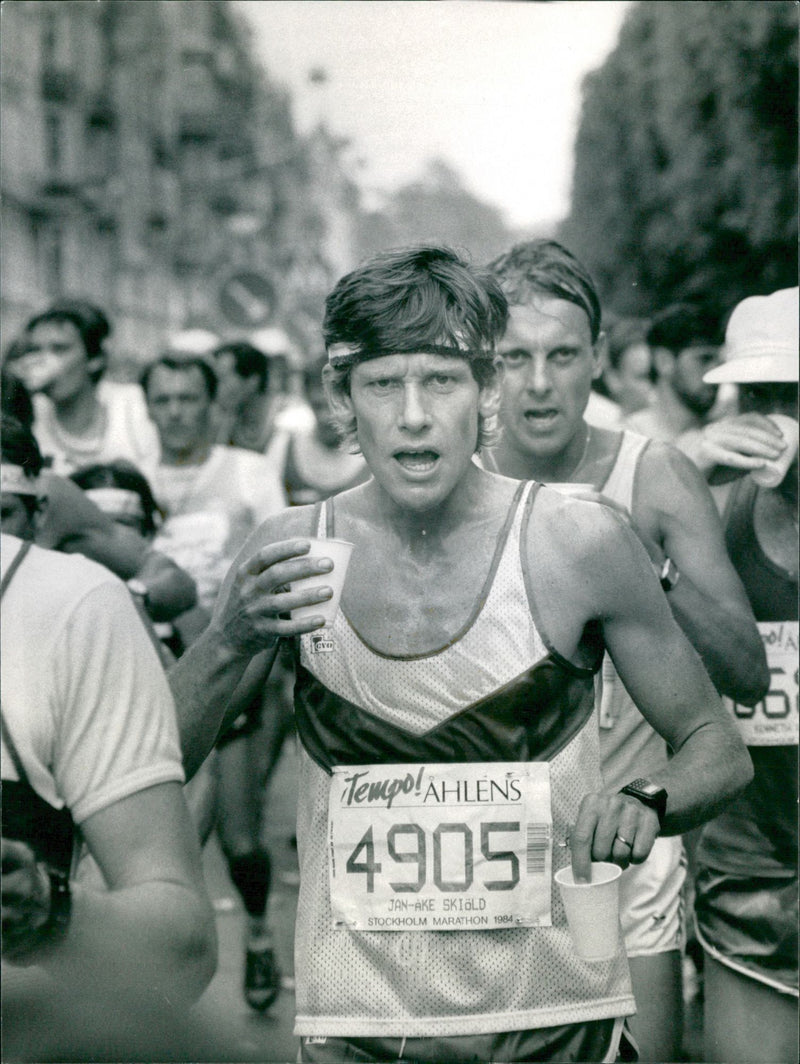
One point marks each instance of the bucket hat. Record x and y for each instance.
(761, 341)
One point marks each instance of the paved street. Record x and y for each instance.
(245, 1035)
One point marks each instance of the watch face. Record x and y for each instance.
(649, 789)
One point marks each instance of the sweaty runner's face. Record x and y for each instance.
(549, 362)
(417, 424)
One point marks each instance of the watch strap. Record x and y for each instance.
(657, 801)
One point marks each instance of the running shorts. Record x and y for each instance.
(749, 924)
(598, 1040)
(651, 900)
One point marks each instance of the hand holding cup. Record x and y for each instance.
(256, 605)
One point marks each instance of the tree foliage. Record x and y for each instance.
(685, 179)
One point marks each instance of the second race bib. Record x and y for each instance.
(449, 847)
(774, 720)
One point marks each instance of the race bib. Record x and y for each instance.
(774, 720)
(440, 847)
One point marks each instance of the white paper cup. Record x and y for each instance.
(592, 910)
(37, 371)
(772, 473)
(338, 550)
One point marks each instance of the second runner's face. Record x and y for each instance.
(549, 363)
(417, 424)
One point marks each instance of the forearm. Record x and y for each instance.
(120, 551)
(151, 942)
(170, 589)
(728, 643)
(204, 682)
(711, 767)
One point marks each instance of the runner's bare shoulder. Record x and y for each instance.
(580, 552)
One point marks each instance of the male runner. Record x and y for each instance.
(460, 667)
(213, 497)
(551, 351)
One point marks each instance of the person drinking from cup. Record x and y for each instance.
(449, 760)
(80, 417)
(746, 910)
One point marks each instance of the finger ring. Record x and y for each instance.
(623, 840)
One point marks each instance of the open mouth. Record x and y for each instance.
(541, 418)
(417, 461)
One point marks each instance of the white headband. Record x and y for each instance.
(116, 501)
(341, 354)
(14, 479)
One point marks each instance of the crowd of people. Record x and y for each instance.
(574, 547)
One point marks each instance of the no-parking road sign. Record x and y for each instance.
(247, 299)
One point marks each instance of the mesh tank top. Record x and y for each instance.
(495, 692)
(628, 745)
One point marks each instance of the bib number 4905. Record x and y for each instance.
(407, 844)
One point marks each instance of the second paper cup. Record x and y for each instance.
(592, 910)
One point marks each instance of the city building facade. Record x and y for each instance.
(151, 165)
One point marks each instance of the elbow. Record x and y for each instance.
(179, 597)
(749, 683)
(198, 955)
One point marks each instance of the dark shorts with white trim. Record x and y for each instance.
(750, 924)
(598, 1040)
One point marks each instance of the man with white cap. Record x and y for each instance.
(746, 907)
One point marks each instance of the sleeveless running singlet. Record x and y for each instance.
(757, 833)
(746, 901)
(496, 692)
(628, 745)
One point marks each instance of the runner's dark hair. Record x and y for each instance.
(537, 267)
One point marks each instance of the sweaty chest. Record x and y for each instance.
(413, 602)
